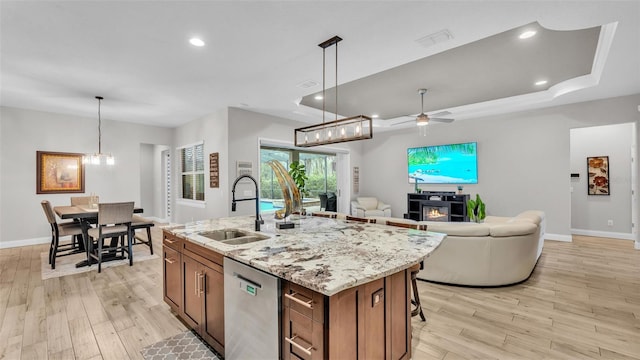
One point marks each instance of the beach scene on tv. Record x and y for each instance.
(443, 164)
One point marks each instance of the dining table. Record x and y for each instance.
(86, 215)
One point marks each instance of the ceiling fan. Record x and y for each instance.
(423, 119)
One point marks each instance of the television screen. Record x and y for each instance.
(443, 164)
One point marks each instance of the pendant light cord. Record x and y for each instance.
(323, 81)
(336, 81)
(99, 128)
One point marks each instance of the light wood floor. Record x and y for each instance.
(583, 301)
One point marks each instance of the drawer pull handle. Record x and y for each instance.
(304, 349)
(169, 260)
(196, 277)
(293, 297)
(169, 241)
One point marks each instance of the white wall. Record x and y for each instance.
(245, 128)
(523, 158)
(151, 180)
(24, 132)
(590, 213)
(213, 130)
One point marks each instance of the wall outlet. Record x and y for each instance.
(609, 222)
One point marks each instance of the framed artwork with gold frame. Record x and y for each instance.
(59, 173)
(598, 180)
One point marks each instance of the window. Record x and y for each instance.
(192, 171)
(320, 170)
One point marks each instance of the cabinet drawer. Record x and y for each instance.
(172, 284)
(204, 255)
(306, 302)
(303, 337)
(170, 240)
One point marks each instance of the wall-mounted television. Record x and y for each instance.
(443, 164)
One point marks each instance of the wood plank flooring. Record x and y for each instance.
(582, 302)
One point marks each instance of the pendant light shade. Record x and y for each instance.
(353, 128)
(99, 158)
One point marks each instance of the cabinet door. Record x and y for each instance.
(192, 274)
(213, 324)
(171, 280)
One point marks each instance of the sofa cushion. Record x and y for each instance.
(458, 229)
(513, 229)
(532, 216)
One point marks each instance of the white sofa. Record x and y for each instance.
(499, 251)
(370, 207)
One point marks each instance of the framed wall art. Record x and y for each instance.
(214, 170)
(59, 173)
(598, 180)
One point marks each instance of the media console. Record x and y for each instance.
(437, 206)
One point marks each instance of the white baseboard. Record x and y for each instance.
(25, 242)
(605, 234)
(557, 237)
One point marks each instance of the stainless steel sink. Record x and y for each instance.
(233, 236)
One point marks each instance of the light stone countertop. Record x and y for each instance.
(324, 255)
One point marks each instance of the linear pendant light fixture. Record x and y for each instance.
(99, 158)
(358, 127)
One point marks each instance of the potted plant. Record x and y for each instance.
(298, 173)
(476, 209)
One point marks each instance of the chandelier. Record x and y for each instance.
(353, 128)
(99, 157)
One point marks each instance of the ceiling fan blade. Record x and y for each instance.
(442, 120)
(411, 119)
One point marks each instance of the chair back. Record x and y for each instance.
(324, 214)
(362, 220)
(407, 225)
(48, 211)
(369, 203)
(115, 213)
(83, 200)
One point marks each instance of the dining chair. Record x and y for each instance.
(140, 223)
(360, 219)
(59, 230)
(114, 221)
(415, 269)
(83, 200)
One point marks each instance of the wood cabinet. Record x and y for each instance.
(370, 321)
(201, 287)
(172, 257)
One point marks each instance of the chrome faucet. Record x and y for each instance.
(257, 199)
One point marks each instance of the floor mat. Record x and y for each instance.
(187, 345)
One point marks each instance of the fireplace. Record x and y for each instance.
(435, 211)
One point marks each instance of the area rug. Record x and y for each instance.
(187, 345)
(66, 265)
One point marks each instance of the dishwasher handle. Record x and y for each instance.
(247, 285)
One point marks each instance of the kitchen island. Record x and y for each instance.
(345, 285)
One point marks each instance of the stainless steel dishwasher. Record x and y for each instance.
(251, 313)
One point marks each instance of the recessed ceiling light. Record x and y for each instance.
(541, 82)
(318, 97)
(374, 116)
(527, 34)
(196, 42)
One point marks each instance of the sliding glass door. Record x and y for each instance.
(320, 171)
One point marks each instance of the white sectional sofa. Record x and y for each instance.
(499, 251)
